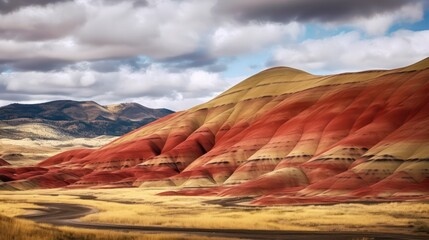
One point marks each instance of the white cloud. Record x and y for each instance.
(352, 52)
(177, 104)
(88, 30)
(380, 23)
(53, 45)
(41, 23)
(92, 30)
(184, 89)
(231, 40)
(159, 30)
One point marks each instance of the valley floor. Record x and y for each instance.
(142, 207)
(29, 152)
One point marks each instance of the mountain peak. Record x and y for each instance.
(285, 70)
(120, 106)
(270, 82)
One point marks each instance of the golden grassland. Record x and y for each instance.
(18, 229)
(29, 152)
(138, 206)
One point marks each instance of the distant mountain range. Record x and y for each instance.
(74, 119)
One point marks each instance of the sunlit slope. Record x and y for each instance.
(281, 134)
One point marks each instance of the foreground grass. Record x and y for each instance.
(18, 229)
(144, 207)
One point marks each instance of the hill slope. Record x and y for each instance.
(65, 118)
(283, 135)
(3, 162)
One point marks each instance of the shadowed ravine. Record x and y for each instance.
(65, 214)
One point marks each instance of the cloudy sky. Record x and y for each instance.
(176, 54)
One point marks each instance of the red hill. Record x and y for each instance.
(283, 135)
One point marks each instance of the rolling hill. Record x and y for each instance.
(284, 136)
(66, 118)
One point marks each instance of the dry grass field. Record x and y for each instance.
(143, 207)
(18, 229)
(27, 151)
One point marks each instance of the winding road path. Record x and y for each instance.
(65, 214)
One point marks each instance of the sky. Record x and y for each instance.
(176, 54)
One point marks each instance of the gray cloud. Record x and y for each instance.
(52, 65)
(136, 3)
(7, 6)
(97, 30)
(46, 23)
(113, 65)
(167, 32)
(110, 65)
(334, 54)
(306, 10)
(218, 67)
(196, 59)
(35, 65)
